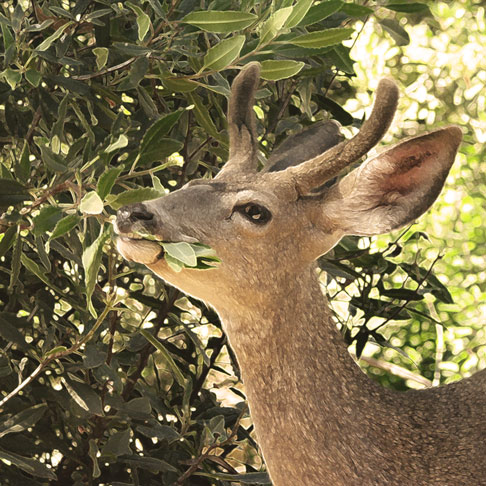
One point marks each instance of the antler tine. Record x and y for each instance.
(241, 121)
(324, 167)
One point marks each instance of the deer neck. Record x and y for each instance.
(304, 390)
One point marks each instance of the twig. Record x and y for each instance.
(61, 354)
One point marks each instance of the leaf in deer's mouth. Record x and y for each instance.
(179, 255)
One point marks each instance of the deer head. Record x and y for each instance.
(269, 225)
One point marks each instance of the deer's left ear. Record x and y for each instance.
(394, 188)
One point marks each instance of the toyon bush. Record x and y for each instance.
(108, 376)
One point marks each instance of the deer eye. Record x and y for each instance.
(255, 213)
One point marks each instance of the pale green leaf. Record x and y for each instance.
(119, 143)
(101, 54)
(91, 203)
(220, 21)
(223, 53)
(132, 196)
(275, 70)
(298, 12)
(143, 21)
(181, 251)
(271, 28)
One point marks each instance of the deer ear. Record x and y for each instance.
(305, 145)
(394, 188)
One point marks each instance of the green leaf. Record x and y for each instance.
(158, 130)
(181, 251)
(91, 203)
(132, 196)
(11, 193)
(342, 59)
(162, 148)
(221, 22)
(65, 225)
(33, 77)
(414, 7)
(271, 28)
(322, 38)
(7, 36)
(118, 444)
(101, 54)
(46, 220)
(12, 76)
(179, 85)
(202, 115)
(143, 21)
(299, 10)
(7, 240)
(84, 396)
(28, 465)
(107, 181)
(10, 333)
(275, 70)
(43, 46)
(93, 453)
(357, 11)
(22, 420)
(22, 169)
(321, 11)
(91, 263)
(170, 361)
(160, 432)
(53, 161)
(223, 53)
(396, 31)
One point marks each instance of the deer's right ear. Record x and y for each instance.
(393, 189)
(305, 145)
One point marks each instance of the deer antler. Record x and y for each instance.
(324, 167)
(241, 122)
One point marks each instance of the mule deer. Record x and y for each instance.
(318, 419)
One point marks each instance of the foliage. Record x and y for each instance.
(107, 375)
(443, 73)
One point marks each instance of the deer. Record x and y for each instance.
(319, 420)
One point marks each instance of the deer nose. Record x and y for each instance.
(132, 217)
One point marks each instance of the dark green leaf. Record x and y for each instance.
(409, 7)
(321, 11)
(28, 465)
(118, 444)
(11, 193)
(397, 32)
(7, 240)
(355, 10)
(65, 225)
(107, 181)
(84, 396)
(47, 219)
(22, 420)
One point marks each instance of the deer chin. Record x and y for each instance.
(139, 250)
